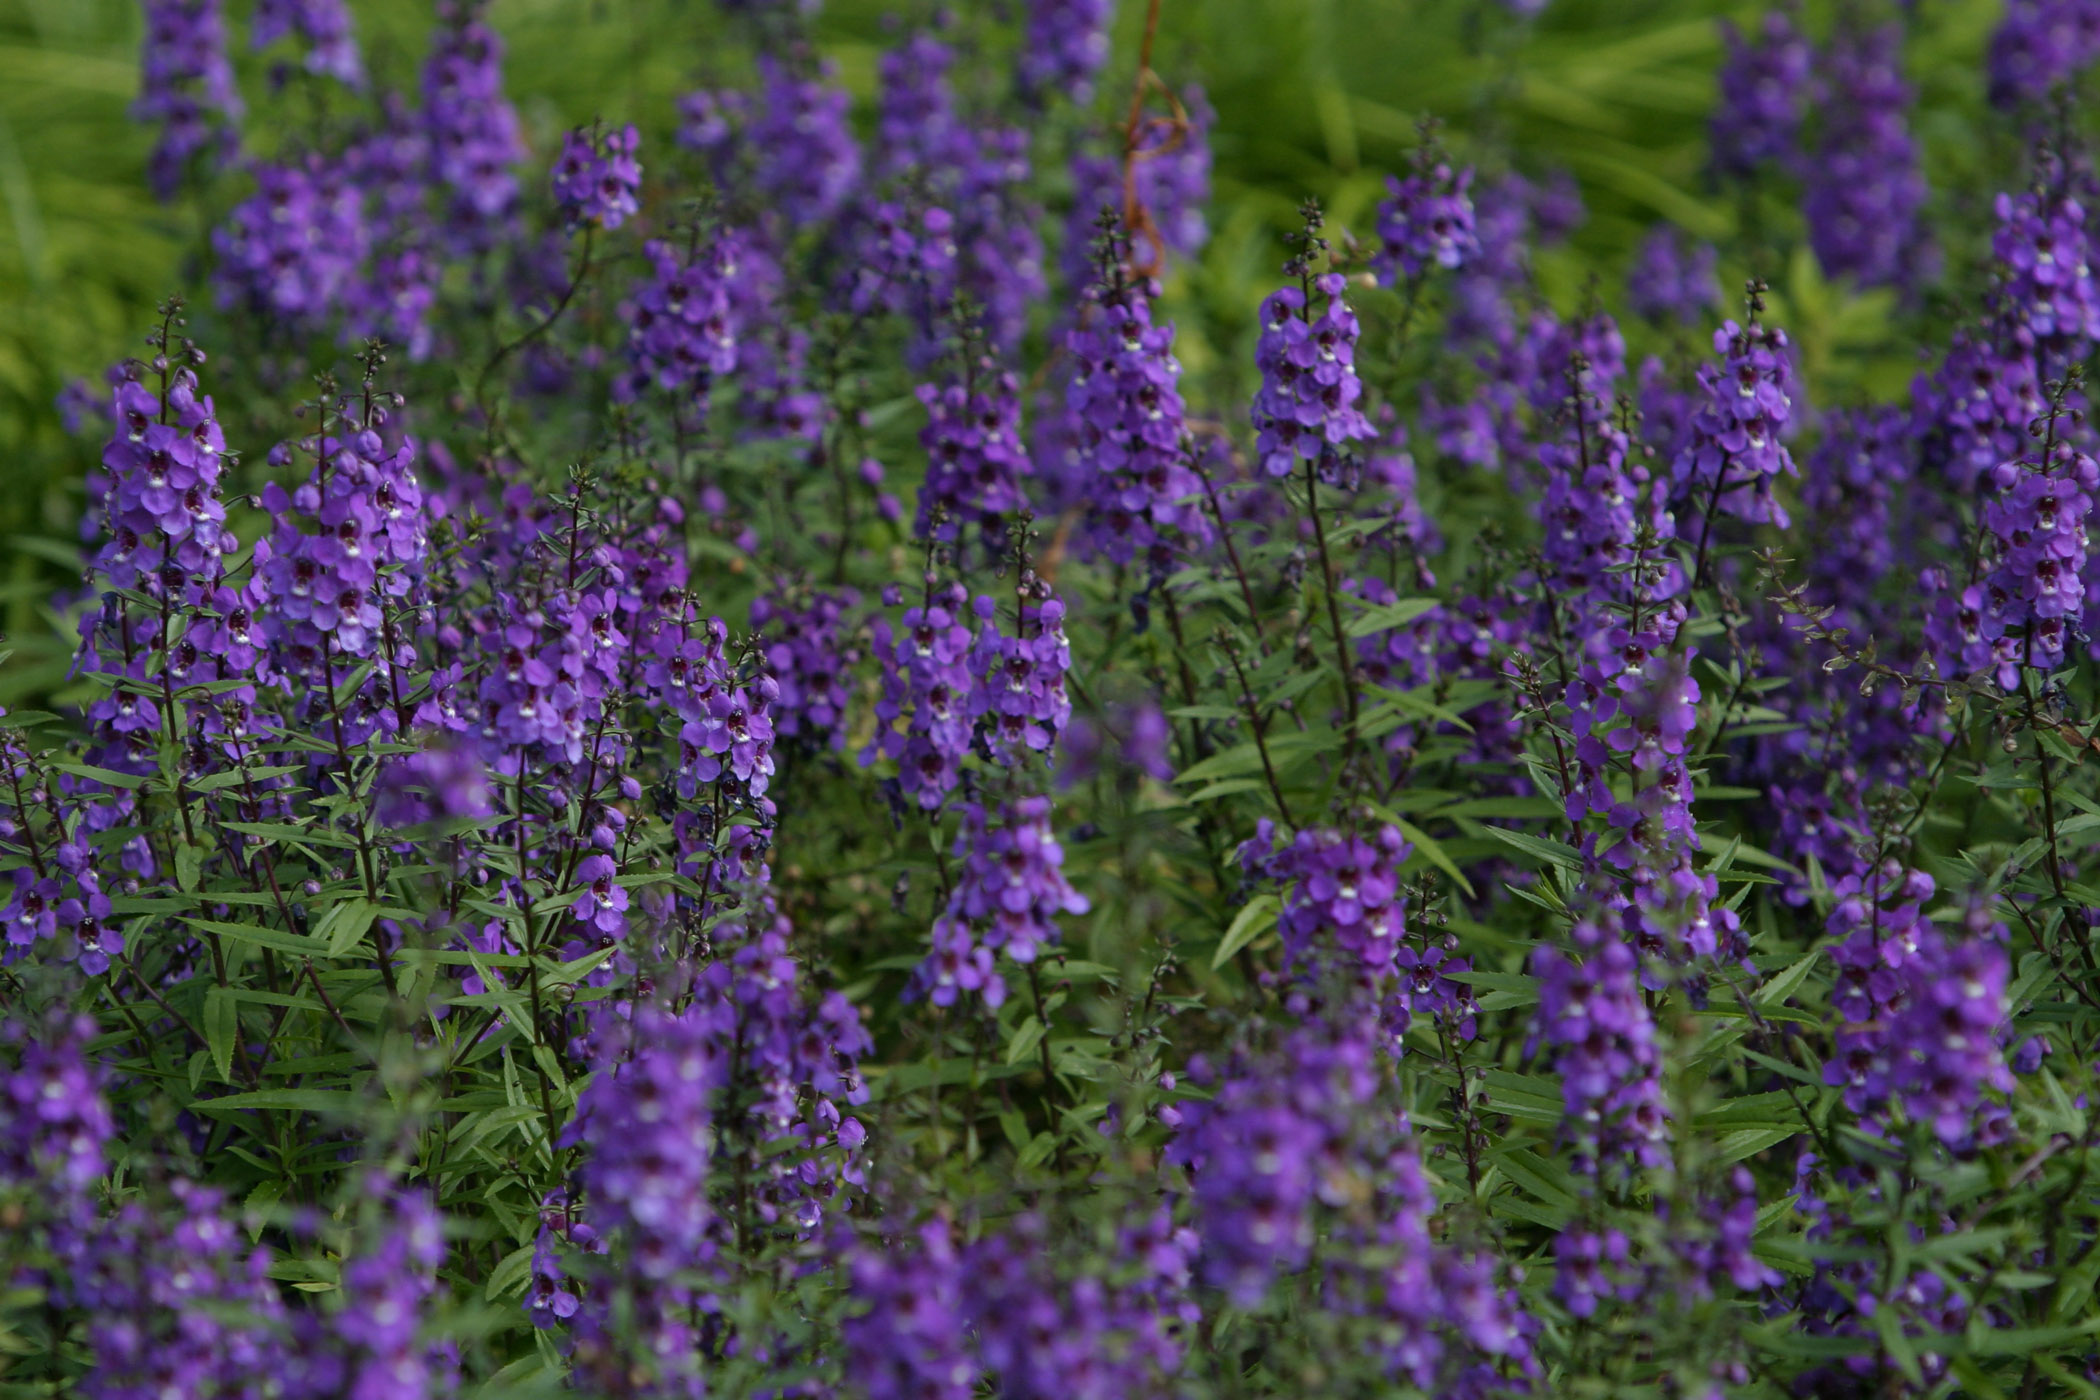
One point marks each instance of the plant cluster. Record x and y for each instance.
(1536, 857)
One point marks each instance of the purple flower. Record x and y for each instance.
(1007, 896)
(1593, 1020)
(909, 1342)
(322, 26)
(1307, 405)
(186, 85)
(291, 251)
(1669, 282)
(926, 687)
(472, 128)
(1427, 223)
(1124, 403)
(811, 655)
(684, 330)
(597, 179)
(1864, 188)
(2039, 46)
(974, 458)
(1063, 45)
(1735, 450)
(2030, 598)
(2046, 288)
(1764, 91)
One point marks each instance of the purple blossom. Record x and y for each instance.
(321, 26)
(1670, 282)
(292, 250)
(1427, 223)
(186, 85)
(926, 687)
(1864, 189)
(597, 179)
(2047, 289)
(1764, 92)
(54, 1123)
(792, 148)
(2039, 46)
(472, 128)
(811, 655)
(1735, 451)
(910, 1342)
(1124, 400)
(2030, 598)
(684, 330)
(974, 459)
(1307, 405)
(1008, 894)
(1063, 45)
(1018, 694)
(1603, 1041)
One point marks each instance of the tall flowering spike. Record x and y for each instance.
(1971, 413)
(1268, 1147)
(1428, 222)
(1018, 693)
(1063, 45)
(389, 1287)
(160, 509)
(792, 150)
(54, 1123)
(1124, 402)
(926, 687)
(180, 1304)
(1865, 193)
(2046, 287)
(1948, 1038)
(2030, 598)
(1306, 409)
(1764, 93)
(1670, 282)
(917, 123)
(910, 1342)
(346, 555)
(186, 85)
(683, 328)
(292, 251)
(597, 178)
(322, 28)
(1007, 898)
(1594, 1023)
(473, 129)
(646, 1122)
(974, 459)
(1344, 896)
(811, 654)
(1050, 1329)
(1597, 502)
(2039, 46)
(1734, 453)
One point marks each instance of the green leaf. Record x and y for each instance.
(509, 1273)
(1257, 918)
(1386, 616)
(331, 1101)
(1026, 1038)
(189, 865)
(345, 926)
(222, 1024)
(1552, 852)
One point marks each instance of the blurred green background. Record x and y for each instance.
(1314, 97)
